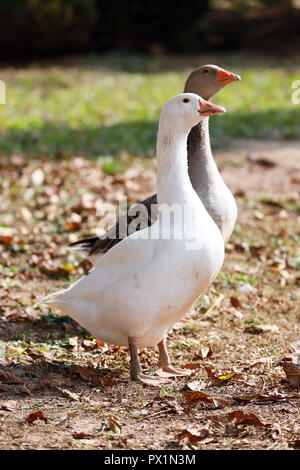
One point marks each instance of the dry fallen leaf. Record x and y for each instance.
(241, 417)
(262, 361)
(191, 366)
(261, 161)
(114, 425)
(295, 443)
(74, 342)
(89, 344)
(34, 416)
(51, 270)
(82, 435)
(40, 354)
(252, 397)
(89, 374)
(196, 385)
(295, 347)
(193, 435)
(73, 226)
(253, 330)
(6, 408)
(66, 393)
(108, 381)
(295, 180)
(220, 379)
(8, 377)
(235, 302)
(276, 397)
(292, 372)
(53, 383)
(203, 353)
(197, 396)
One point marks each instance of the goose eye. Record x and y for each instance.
(205, 71)
(186, 100)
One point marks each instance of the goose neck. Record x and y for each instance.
(173, 183)
(201, 165)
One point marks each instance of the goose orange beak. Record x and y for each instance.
(207, 108)
(224, 77)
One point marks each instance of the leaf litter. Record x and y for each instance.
(248, 321)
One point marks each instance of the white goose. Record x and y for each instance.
(148, 281)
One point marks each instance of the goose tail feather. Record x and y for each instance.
(85, 244)
(55, 299)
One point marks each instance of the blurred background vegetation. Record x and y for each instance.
(59, 26)
(89, 78)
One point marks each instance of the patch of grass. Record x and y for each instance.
(109, 105)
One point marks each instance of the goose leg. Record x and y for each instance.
(164, 361)
(136, 372)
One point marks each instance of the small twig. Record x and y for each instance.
(216, 303)
(159, 413)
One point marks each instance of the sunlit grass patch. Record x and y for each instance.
(105, 106)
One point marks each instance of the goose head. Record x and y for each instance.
(187, 110)
(207, 80)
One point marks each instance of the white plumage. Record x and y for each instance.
(147, 282)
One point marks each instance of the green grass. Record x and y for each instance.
(109, 105)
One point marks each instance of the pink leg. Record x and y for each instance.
(164, 361)
(135, 366)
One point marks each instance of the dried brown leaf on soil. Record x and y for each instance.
(253, 330)
(173, 405)
(94, 377)
(53, 383)
(277, 397)
(203, 353)
(51, 270)
(295, 443)
(89, 344)
(241, 417)
(295, 180)
(197, 396)
(219, 379)
(252, 397)
(73, 226)
(36, 415)
(295, 347)
(88, 374)
(262, 361)
(292, 372)
(8, 377)
(82, 435)
(168, 406)
(68, 394)
(191, 365)
(40, 354)
(6, 408)
(73, 341)
(235, 302)
(108, 381)
(27, 390)
(261, 161)
(196, 385)
(114, 424)
(193, 435)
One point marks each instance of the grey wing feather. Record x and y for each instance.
(138, 217)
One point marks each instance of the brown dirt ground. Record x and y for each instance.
(248, 321)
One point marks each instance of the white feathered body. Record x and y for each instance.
(149, 280)
(143, 297)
